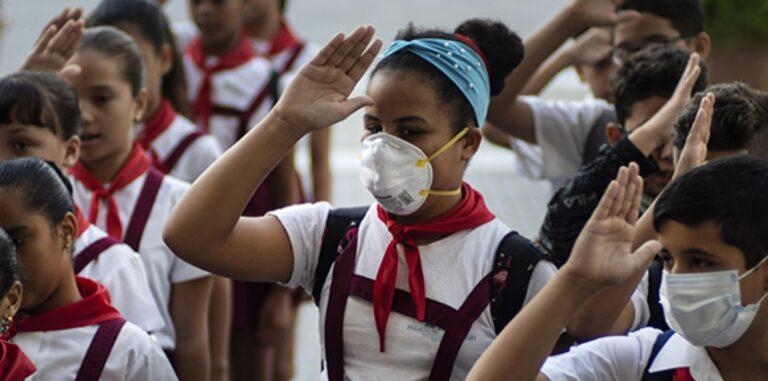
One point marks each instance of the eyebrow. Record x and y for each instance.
(405, 119)
(101, 88)
(697, 251)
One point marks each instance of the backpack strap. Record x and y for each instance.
(91, 252)
(170, 162)
(98, 352)
(661, 340)
(339, 222)
(515, 260)
(143, 209)
(657, 319)
(245, 116)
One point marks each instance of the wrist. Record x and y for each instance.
(579, 286)
(646, 139)
(286, 124)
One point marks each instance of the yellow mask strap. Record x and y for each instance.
(422, 163)
(426, 192)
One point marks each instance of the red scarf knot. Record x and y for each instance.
(14, 365)
(202, 107)
(157, 124)
(470, 213)
(137, 164)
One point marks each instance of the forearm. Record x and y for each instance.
(190, 302)
(321, 165)
(206, 216)
(191, 358)
(545, 74)
(529, 338)
(220, 323)
(283, 184)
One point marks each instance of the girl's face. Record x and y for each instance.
(407, 107)
(107, 105)
(23, 140)
(44, 251)
(218, 20)
(156, 65)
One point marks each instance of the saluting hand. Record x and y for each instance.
(694, 152)
(602, 255)
(600, 12)
(57, 43)
(318, 96)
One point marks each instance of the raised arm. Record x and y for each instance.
(601, 258)
(56, 43)
(206, 229)
(515, 117)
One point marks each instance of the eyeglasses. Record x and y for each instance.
(620, 54)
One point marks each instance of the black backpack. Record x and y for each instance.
(516, 256)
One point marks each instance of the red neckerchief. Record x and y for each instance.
(285, 39)
(682, 374)
(82, 222)
(157, 124)
(94, 308)
(137, 164)
(14, 365)
(202, 108)
(470, 213)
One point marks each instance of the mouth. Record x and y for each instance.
(88, 138)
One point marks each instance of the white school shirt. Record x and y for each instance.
(234, 88)
(122, 272)
(624, 358)
(163, 267)
(195, 159)
(452, 266)
(562, 129)
(57, 355)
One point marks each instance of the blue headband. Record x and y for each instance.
(459, 62)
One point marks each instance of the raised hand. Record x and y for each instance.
(694, 152)
(590, 48)
(600, 12)
(57, 43)
(318, 96)
(602, 255)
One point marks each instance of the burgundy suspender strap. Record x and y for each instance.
(91, 252)
(245, 116)
(455, 323)
(343, 268)
(143, 208)
(98, 352)
(167, 165)
(294, 56)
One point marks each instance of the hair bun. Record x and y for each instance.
(501, 47)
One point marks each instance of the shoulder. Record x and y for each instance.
(316, 212)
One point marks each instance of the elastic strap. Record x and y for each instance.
(422, 163)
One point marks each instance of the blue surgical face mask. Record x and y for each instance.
(705, 308)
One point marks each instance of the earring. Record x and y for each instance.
(6, 324)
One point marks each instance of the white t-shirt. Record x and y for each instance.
(122, 272)
(163, 267)
(624, 358)
(562, 129)
(57, 355)
(196, 158)
(452, 266)
(234, 89)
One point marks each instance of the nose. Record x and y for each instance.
(86, 115)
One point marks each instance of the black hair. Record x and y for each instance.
(729, 191)
(739, 121)
(115, 43)
(9, 267)
(652, 72)
(40, 185)
(149, 20)
(502, 48)
(40, 99)
(687, 16)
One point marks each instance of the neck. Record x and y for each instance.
(434, 207)
(221, 47)
(107, 168)
(64, 295)
(746, 359)
(267, 27)
(153, 104)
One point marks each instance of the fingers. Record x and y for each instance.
(45, 39)
(67, 39)
(690, 76)
(327, 51)
(605, 205)
(628, 202)
(69, 72)
(634, 213)
(348, 46)
(357, 50)
(625, 16)
(351, 105)
(622, 178)
(361, 66)
(645, 253)
(701, 125)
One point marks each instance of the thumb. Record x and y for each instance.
(349, 106)
(624, 16)
(70, 71)
(645, 253)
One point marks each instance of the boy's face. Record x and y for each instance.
(22, 140)
(599, 78)
(700, 249)
(218, 20)
(632, 36)
(640, 113)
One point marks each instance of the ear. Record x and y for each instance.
(72, 153)
(141, 105)
(166, 58)
(13, 298)
(68, 230)
(613, 132)
(702, 44)
(470, 143)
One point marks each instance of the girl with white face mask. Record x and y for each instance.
(417, 285)
(711, 223)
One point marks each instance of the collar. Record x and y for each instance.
(679, 353)
(157, 124)
(137, 164)
(242, 53)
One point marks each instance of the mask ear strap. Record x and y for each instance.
(757, 266)
(425, 192)
(422, 163)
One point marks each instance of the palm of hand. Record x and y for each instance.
(320, 92)
(608, 242)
